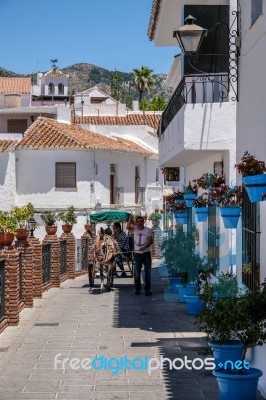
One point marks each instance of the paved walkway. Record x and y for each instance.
(76, 323)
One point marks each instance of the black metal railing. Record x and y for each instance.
(195, 89)
(63, 257)
(84, 252)
(46, 263)
(250, 243)
(2, 288)
(213, 239)
(20, 277)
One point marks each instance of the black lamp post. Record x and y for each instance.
(31, 224)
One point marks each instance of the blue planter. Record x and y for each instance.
(181, 217)
(189, 199)
(230, 216)
(180, 201)
(186, 290)
(174, 281)
(194, 304)
(223, 352)
(255, 186)
(238, 386)
(202, 214)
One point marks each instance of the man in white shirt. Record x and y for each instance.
(143, 240)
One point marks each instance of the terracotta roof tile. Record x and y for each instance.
(15, 85)
(55, 72)
(153, 19)
(7, 145)
(48, 133)
(150, 120)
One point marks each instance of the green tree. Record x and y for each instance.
(156, 104)
(116, 80)
(143, 80)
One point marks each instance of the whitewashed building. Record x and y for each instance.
(56, 165)
(198, 127)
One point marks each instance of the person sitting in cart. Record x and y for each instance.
(122, 241)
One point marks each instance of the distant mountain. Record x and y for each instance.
(84, 76)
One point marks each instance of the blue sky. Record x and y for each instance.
(108, 33)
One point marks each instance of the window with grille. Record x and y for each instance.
(65, 175)
(256, 10)
(16, 125)
(60, 88)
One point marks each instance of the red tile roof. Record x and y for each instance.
(15, 85)
(151, 120)
(48, 133)
(153, 19)
(7, 145)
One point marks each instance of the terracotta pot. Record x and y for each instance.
(22, 234)
(67, 228)
(51, 230)
(6, 238)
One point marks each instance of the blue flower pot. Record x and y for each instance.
(189, 199)
(230, 216)
(223, 352)
(194, 304)
(174, 281)
(255, 186)
(186, 290)
(180, 201)
(181, 217)
(202, 214)
(238, 386)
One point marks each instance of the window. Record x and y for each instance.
(16, 125)
(157, 175)
(65, 175)
(60, 88)
(137, 184)
(256, 10)
(112, 184)
(51, 88)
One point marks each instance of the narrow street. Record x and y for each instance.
(72, 322)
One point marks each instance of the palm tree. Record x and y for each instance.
(143, 79)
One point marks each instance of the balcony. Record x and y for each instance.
(199, 120)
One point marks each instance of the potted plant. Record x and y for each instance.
(172, 174)
(216, 319)
(230, 203)
(209, 180)
(190, 193)
(8, 224)
(182, 260)
(253, 176)
(23, 215)
(248, 316)
(201, 207)
(69, 218)
(180, 213)
(50, 218)
(155, 217)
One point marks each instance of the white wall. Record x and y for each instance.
(251, 123)
(36, 178)
(7, 181)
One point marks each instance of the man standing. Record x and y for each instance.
(143, 240)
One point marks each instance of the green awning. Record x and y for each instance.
(104, 216)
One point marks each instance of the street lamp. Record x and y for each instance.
(31, 224)
(190, 36)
